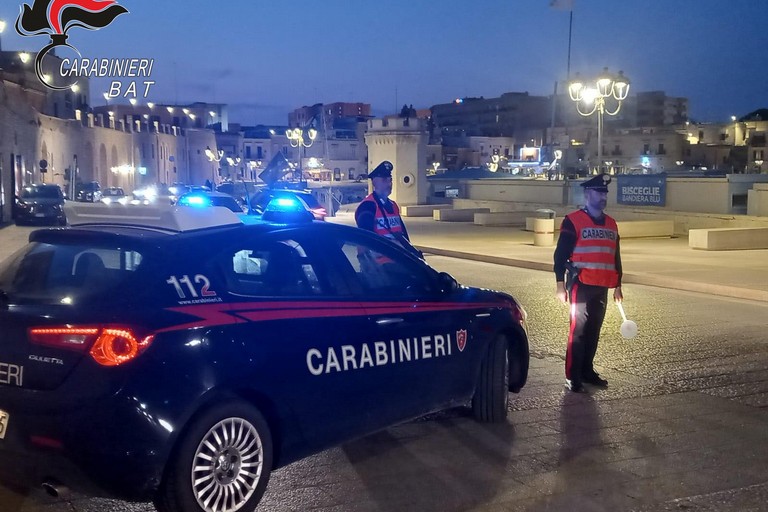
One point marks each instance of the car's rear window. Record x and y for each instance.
(227, 202)
(310, 200)
(64, 272)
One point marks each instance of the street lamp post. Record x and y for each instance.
(595, 96)
(297, 140)
(759, 164)
(213, 157)
(2, 28)
(234, 162)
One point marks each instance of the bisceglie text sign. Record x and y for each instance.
(642, 189)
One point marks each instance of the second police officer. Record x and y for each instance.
(587, 264)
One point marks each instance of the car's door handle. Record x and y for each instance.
(481, 315)
(388, 321)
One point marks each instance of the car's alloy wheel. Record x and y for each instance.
(222, 463)
(227, 466)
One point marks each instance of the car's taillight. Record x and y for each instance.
(107, 345)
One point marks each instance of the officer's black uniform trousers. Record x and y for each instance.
(588, 304)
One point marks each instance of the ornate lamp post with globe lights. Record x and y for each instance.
(2, 28)
(234, 163)
(297, 140)
(604, 95)
(213, 157)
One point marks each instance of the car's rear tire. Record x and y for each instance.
(489, 404)
(223, 462)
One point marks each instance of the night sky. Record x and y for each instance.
(265, 57)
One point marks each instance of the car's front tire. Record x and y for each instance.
(222, 464)
(489, 404)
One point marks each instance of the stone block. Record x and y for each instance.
(725, 239)
(461, 215)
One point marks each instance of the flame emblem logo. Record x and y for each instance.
(55, 18)
(461, 339)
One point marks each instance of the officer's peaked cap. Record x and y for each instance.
(598, 183)
(383, 170)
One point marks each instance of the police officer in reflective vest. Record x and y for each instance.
(377, 212)
(587, 264)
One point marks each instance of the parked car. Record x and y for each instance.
(39, 204)
(265, 196)
(90, 192)
(186, 380)
(113, 195)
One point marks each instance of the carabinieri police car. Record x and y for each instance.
(179, 355)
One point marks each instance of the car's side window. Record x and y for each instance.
(381, 272)
(271, 268)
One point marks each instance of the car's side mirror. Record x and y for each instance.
(447, 283)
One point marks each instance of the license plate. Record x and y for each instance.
(3, 423)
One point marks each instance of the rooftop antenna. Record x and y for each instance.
(396, 100)
(175, 83)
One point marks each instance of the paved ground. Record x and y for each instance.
(644, 444)
(664, 262)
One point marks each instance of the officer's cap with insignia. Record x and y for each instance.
(383, 170)
(598, 183)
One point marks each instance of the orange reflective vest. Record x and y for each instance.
(381, 219)
(595, 250)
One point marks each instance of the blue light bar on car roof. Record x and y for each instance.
(286, 210)
(167, 217)
(195, 200)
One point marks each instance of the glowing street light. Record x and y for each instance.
(297, 140)
(595, 96)
(234, 162)
(213, 157)
(2, 28)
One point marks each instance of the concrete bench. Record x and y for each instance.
(501, 218)
(725, 239)
(462, 215)
(646, 228)
(422, 210)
